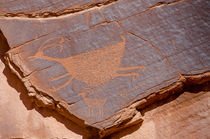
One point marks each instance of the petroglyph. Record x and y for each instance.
(86, 50)
(173, 42)
(122, 94)
(94, 67)
(93, 103)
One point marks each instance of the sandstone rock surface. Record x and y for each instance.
(19, 119)
(101, 63)
(183, 117)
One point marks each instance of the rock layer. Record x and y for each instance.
(99, 64)
(181, 116)
(20, 119)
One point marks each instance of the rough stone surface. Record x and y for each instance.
(97, 62)
(185, 117)
(19, 119)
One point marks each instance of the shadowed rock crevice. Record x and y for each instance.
(163, 3)
(3, 44)
(192, 88)
(185, 83)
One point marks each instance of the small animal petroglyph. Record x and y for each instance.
(122, 94)
(94, 67)
(93, 103)
(173, 42)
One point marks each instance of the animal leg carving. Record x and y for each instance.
(92, 110)
(130, 68)
(32, 57)
(89, 112)
(101, 112)
(127, 74)
(56, 89)
(133, 67)
(56, 78)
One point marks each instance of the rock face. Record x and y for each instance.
(101, 63)
(19, 119)
(187, 116)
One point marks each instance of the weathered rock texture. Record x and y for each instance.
(19, 119)
(184, 116)
(102, 63)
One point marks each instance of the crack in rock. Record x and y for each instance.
(79, 10)
(60, 13)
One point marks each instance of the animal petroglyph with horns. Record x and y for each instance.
(94, 67)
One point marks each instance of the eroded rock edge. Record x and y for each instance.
(84, 8)
(126, 117)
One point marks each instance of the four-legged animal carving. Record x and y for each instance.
(93, 103)
(94, 67)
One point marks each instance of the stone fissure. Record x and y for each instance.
(163, 3)
(79, 10)
(60, 13)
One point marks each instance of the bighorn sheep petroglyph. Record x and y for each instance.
(94, 67)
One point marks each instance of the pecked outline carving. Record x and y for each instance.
(94, 68)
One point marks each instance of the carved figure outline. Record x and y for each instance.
(94, 68)
(93, 103)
